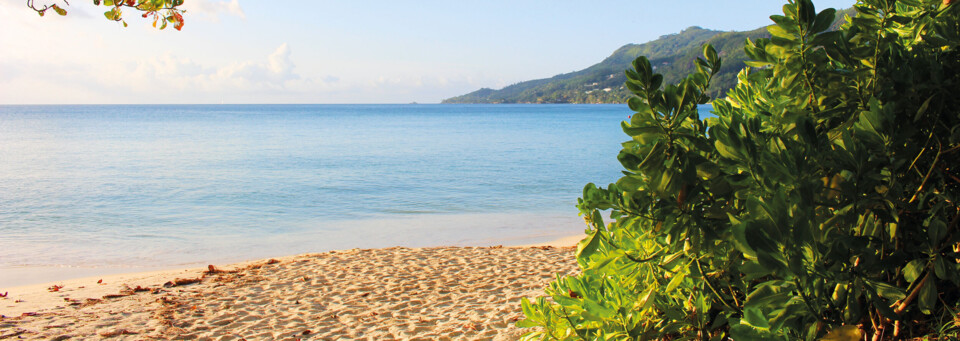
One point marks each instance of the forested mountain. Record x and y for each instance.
(672, 55)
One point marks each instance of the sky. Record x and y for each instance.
(332, 51)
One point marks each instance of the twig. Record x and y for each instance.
(913, 295)
(936, 159)
(715, 292)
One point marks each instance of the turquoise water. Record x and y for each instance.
(147, 186)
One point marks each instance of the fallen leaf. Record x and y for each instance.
(849, 332)
(5, 293)
(100, 281)
(55, 288)
(181, 281)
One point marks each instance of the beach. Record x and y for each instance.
(374, 294)
(412, 197)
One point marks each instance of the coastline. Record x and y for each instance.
(421, 292)
(25, 264)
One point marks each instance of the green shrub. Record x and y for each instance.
(820, 203)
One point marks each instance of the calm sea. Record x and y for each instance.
(125, 188)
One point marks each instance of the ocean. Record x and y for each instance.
(122, 188)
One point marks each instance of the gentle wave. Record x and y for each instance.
(104, 186)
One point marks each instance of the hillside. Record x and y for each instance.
(672, 55)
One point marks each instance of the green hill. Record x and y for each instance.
(672, 55)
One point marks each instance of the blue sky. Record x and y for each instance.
(246, 51)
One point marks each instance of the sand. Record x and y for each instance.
(380, 294)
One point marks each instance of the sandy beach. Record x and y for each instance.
(373, 294)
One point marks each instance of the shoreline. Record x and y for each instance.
(440, 292)
(50, 275)
(26, 264)
(37, 298)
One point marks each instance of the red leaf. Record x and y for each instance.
(179, 24)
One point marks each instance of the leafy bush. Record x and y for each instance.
(820, 203)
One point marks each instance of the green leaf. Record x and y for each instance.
(675, 282)
(887, 291)
(672, 261)
(711, 54)
(778, 31)
(771, 293)
(823, 20)
(740, 241)
(647, 300)
(525, 304)
(588, 247)
(941, 269)
(913, 270)
(928, 297)
(937, 230)
(598, 309)
(655, 82)
(923, 108)
(754, 317)
(112, 14)
(727, 151)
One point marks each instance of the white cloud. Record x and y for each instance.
(276, 73)
(211, 9)
(272, 74)
(158, 79)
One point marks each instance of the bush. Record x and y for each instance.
(820, 203)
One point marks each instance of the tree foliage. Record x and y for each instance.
(163, 12)
(820, 204)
